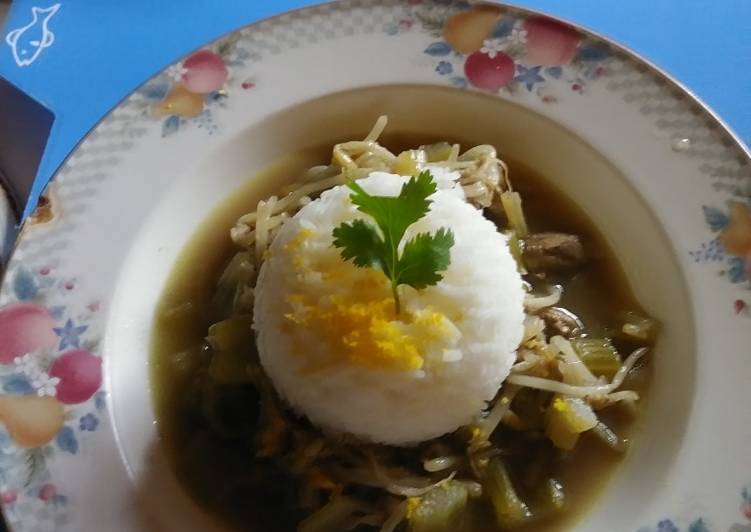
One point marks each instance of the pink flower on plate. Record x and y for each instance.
(47, 491)
(205, 72)
(549, 42)
(489, 73)
(24, 327)
(406, 24)
(8, 496)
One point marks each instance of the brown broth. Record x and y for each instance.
(597, 294)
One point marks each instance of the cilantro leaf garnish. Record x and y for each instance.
(360, 243)
(423, 257)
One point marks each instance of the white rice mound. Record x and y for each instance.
(481, 296)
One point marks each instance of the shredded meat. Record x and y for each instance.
(561, 322)
(552, 252)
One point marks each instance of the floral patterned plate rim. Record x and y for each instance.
(74, 447)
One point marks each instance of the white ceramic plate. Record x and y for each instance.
(667, 183)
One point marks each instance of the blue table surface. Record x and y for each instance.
(103, 49)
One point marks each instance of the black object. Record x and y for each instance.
(24, 128)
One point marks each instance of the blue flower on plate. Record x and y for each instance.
(503, 28)
(25, 285)
(155, 91)
(57, 311)
(736, 270)
(666, 525)
(170, 126)
(528, 76)
(716, 219)
(99, 400)
(711, 251)
(66, 440)
(17, 384)
(59, 500)
(438, 49)
(444, 68)
(459, 81)
(70, 334)
(88, 422)
(554, 72)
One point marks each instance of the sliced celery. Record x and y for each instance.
(515, 246)
(548, 499)
(331, 517)
(512, 206)
(567, 417)
(599, 355)
(409, 162)
(510, 510)
(438, 510)
(639, 327)
(439, 151)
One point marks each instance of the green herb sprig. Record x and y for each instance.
(423, 257)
